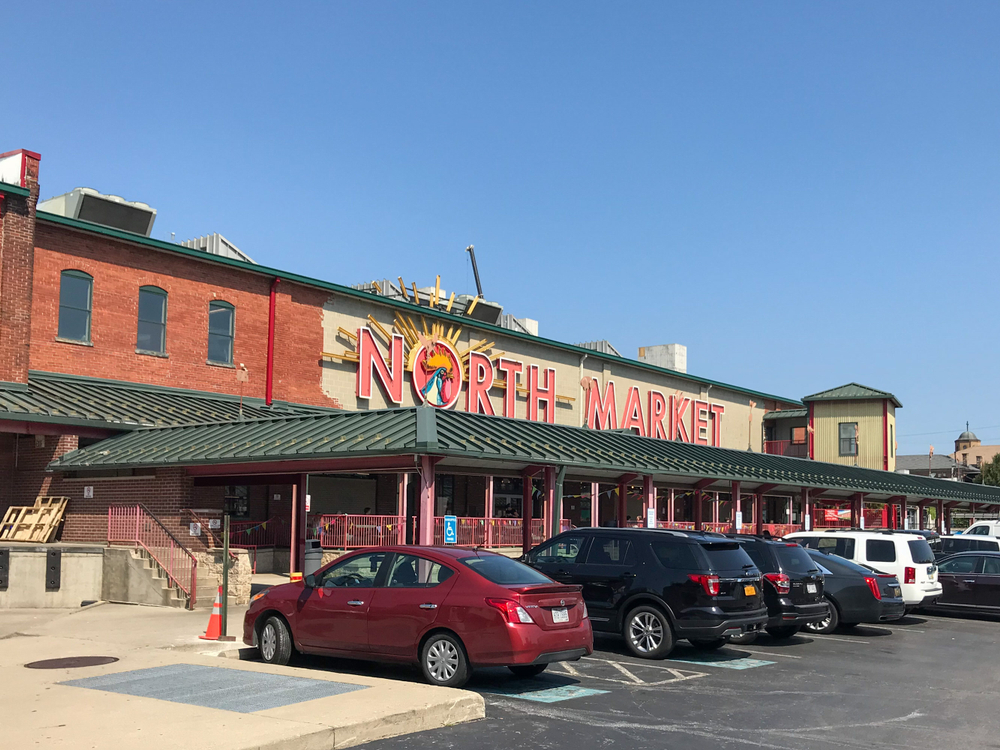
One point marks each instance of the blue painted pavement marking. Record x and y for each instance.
(216, 687)
(547, 695)
(711, 660)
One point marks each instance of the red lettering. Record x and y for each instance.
(371, 363)
(601, 409)
(699, 422)
(510, 368)
(477, 398)
(538, 394)
(657, 410)
(679, 407)
(717, 411)
(632, 415)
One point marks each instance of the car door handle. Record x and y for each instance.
(969, 580)
(628, 575)
(355, 602)
(428, 606)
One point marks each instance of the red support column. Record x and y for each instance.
(734, 491)
(649, 494)
(595, 504)
(903, 515)
(671, 509)
(622, 504)
(426, 521)
(758, 512)
(489, 511)
(807, 511)
(947, 519)
(297, 553)
(402, 484)
(526, 511)
(940, 516)
(551, 524)
(697, 510)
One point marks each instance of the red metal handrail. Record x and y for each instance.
(351, 531)
(136, 525)
(251, 534)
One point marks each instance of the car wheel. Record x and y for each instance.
(744, 638)
(783, 632)
(827, 624)
(712, 645)
(275, 641)
(524, 671)
(443, 661)
(647, 633)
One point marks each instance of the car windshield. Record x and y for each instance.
(726, 556)
(921, 551)
(503, 570)
(839, 565)
(794, 559)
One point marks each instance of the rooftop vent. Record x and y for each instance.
(87, 204)
(216, 244)
(603, 346)
(670, 356)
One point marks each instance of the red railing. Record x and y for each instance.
(786, 448)
(135, 525)
(353, 531)
(252, 534)
(505, 532)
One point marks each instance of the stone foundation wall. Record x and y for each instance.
(210, 576)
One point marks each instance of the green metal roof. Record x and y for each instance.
(786, 414)
(474, 440)
(119, 234)
(118, 405)
(9, 189)
(852, 392)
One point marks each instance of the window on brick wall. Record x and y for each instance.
(221, 328)
(151, 335)
(76, 290)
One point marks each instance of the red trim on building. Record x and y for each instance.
(885, 434)
(811, 436)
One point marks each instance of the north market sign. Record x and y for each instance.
(439, 375)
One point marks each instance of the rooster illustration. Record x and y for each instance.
(437, 389)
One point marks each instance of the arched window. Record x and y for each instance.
(221, 329)
(151, 334)
(76, 291)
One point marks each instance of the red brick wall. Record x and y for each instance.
(17, 230)
(119, 269)
(22, 467)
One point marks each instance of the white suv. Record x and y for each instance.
(984, 528)
(907, 556)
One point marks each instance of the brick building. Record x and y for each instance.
(106, 332)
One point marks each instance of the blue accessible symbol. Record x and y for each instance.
(450, 530)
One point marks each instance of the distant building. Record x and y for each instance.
(941, 467)
(970, 452)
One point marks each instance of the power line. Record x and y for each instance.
(946, 432)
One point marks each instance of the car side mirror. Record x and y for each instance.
(523, 558)
(310, 581)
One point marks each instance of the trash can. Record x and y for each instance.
(314, 557)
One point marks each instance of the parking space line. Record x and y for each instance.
(570, 669)
(834, 638)
(547, 695)
(628, 674)
(768, 653)
(744, 663)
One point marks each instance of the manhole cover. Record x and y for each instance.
(72, 662)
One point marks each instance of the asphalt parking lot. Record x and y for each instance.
(927, 681)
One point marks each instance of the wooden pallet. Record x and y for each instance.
(35, 524)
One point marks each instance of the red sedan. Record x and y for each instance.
(449, 609)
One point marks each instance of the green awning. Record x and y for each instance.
(491, 444)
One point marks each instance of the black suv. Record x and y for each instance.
(793, 586)
(655, 586)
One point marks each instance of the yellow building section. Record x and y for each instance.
(828, 416)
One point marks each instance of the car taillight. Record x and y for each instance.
(782, 583)
(910, 575)
(709, 583)
(873, 585)
(585, 614)
(511, 610)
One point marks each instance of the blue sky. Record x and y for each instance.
(803, 194)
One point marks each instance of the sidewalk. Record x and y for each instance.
(189, 695)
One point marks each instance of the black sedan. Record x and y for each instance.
(855, 594)
(971, 582)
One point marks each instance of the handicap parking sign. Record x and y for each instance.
(450, 530)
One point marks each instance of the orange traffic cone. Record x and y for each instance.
(214, 629)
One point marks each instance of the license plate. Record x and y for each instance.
(896, 592)
(811, 588)
(750, 590)
(560, 615)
